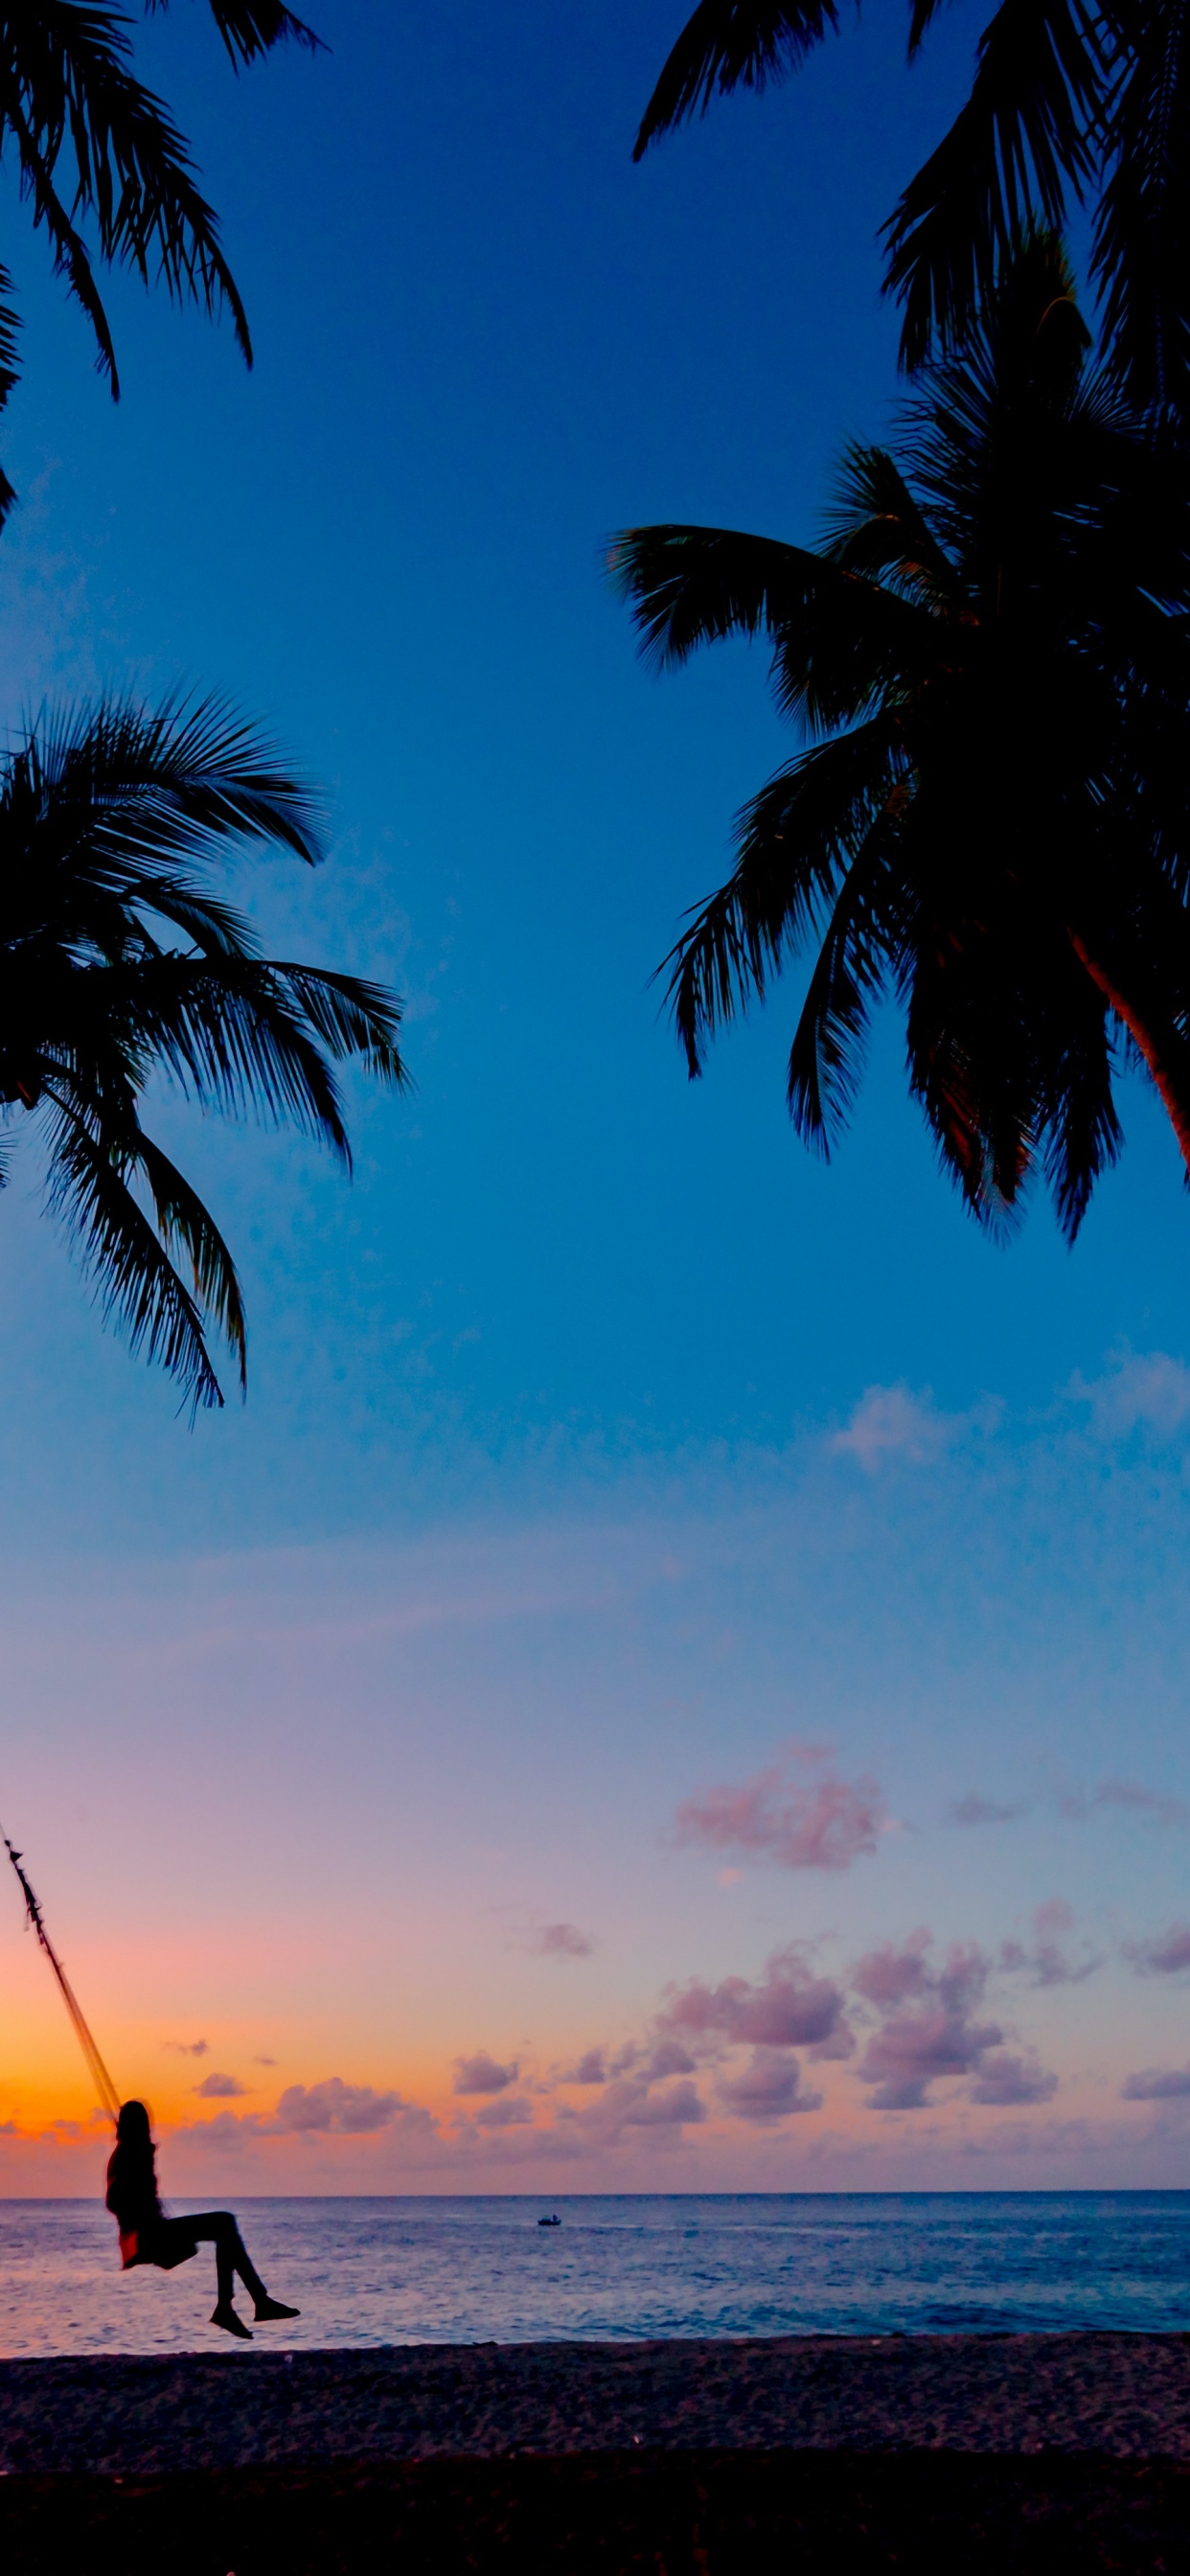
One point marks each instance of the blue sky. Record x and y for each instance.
(391, 1656)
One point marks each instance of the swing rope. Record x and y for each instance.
(95, 2065)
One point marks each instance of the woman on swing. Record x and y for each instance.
(148, 2236)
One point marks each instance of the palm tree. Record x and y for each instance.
(91, 145)
(989, 821)
(1070, 98)
(122, 962)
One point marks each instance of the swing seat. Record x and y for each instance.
(165, 2259)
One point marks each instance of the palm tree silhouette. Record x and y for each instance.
(121, 961)
(93, 146)
(988, 823)
(1068, 100)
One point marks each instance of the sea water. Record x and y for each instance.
(399, 2271)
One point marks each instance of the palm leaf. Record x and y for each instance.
(1018, 147)
(840, 642)
(796, 841)
(252, 27)
(136, 1281)
(729, 42)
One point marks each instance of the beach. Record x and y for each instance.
(1015, 2451)
(1118, 2395)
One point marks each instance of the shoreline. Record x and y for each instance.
(1117, 2395)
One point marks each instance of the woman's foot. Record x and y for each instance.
(224, 2315)
(267, 2309)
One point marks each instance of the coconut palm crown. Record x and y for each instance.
(121, 963)
(102, 166)
(988, 823)
(1070, 102)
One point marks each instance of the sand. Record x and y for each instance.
(1125, 2396)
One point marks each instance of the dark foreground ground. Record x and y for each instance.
(710, 2513)
(1124, 2394)
(973, 2455)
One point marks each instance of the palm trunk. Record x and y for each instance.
(1155, 1055)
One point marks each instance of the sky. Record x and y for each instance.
(675, 1678)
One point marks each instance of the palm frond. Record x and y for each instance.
(1018, 148)
(796, 841)
(840, 643)
(136, 1281)
(68, 93)
(856, 964)
(1141, 253)
(253, 27)
(109, 822)
(729, 43)
(875, 527)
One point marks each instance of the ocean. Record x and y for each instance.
(398, 2271)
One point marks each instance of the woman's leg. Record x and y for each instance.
(217, 2226)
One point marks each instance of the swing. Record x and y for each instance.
(169, 2241)
(95, 2065)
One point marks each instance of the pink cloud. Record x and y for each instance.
(888, 1974)
(678, 2108)
(1078, 1803)
(189, 2047)
(799, 1821)
(769, 2088)
(219, 2088)
(890, 1422)
(1004, 2080)
(913, 2049)
(929, 2031)
(561, 1941)
(591, 2069)
(483, 2074)
(787, 2008)
(629, 2102)
(509, 2111)
(1157, 2084)
(974, 1810)
(1146, 1388)
(348, 2110)
(1047, 1963)
(1165, 1955)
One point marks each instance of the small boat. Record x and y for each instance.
(555, 2221)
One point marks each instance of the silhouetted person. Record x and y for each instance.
(148, 2236)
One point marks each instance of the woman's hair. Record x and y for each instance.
(132, 2127)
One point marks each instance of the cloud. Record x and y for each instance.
(1047, 1963)
(1164, 1955)
(929, 2031)
(511, 2111)
(189, 2047)
(1156, 2084)
(913, 2049)
(886, 1975)
(769, 2088)
(1003, 2079)
(1077, 1803)
(679, 2108)
(974, 1810)
(483, 2074)
(786, 2008)
(629, 2102)
(815, 1822)
(561, 1941)
(345, 2110)
(219, 2088)
(225, 2132)
(591, 2069)
(892, 1422)
(1148, 1390)
(264, 2061)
